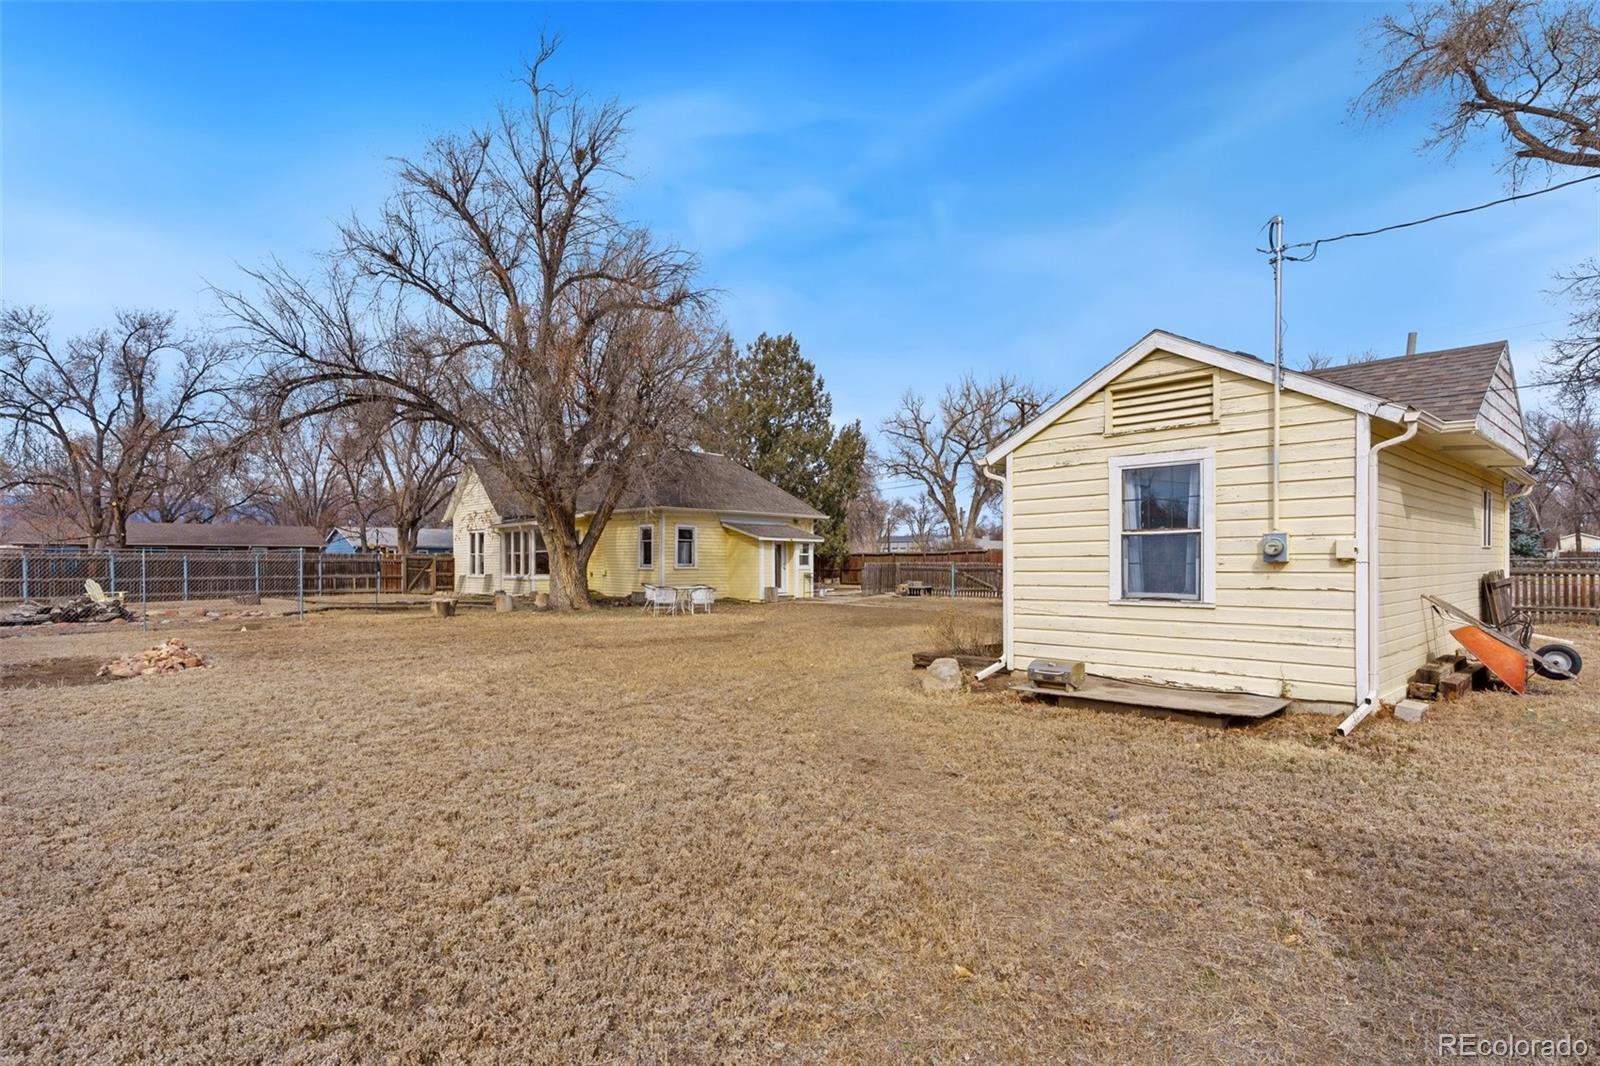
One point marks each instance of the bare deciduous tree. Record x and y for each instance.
(923, 521)
(942, 447)
(1525, 69)
(1565, 448)
(403, 464)
(88, 424)
(499, 294)
(298, 468)
(872, 519)
(1529, 72)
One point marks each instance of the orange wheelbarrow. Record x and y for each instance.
(1507, 649)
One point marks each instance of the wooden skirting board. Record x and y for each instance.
(1219, 708)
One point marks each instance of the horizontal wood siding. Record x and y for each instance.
(474, 512)
(1430, 541)
(1273, 630)
(729, 562)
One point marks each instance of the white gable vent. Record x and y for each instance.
(1160, 402)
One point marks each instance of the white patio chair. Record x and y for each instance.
(660, 598)
(702, 596)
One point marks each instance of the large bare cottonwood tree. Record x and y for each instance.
(90, 424)
(941, 446)
(500, 293)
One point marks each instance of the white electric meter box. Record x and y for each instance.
(1275, 548)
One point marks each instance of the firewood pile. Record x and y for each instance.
(167, 657)
(82, 609)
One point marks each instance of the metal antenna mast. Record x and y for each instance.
(1275, 241)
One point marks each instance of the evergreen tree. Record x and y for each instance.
(768, 408)
(1526, 539)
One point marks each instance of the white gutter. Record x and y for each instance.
(1412, 421)
(1007, 556)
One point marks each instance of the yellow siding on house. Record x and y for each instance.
(1430, 538)
(1273, 630)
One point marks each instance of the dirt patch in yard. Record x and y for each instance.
(399, 838)
(51, 673)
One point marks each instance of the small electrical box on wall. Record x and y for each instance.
(1275, 548)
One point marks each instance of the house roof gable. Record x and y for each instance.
(686, 480)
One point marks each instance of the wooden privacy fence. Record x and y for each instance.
(1560, 590)
(933, 579)
(849, 572)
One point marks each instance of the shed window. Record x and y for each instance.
(686, 546)
(647, 547)
(1161, 535)
(1488, 518)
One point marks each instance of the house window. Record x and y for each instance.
(1161, 535)
(475, 552)
(647, 547)
(522, 548)
(687, 548)
(804, 559)
(1488, 518)
(514, 553)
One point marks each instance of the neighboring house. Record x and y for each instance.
(1137, 511)
(1590, 542)
(214, 536)
(347, 540)
(175, 536)
(695, 518)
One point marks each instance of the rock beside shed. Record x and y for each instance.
(942, 675)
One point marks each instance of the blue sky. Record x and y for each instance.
(913, 191)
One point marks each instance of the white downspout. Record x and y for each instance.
(1005, 570)
(1369, 703)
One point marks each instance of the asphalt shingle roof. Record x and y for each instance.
(701, 481)
(221, 535)
(1449, 384)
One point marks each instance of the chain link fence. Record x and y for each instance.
(284, 580)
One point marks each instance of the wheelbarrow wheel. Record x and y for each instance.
(1559, 662)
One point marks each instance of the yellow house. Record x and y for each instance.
(1152, 532)
(694, 518)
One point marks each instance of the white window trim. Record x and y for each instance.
(477, 542)
(805, 555)
(1207, 459)
(508, 555)
(1488, 518)
(647, 528)
(695, 542)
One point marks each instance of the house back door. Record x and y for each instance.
(778, 569)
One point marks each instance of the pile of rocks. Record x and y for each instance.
(82, 609)
(167, 657)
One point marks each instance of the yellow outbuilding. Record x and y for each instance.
(1177, 519)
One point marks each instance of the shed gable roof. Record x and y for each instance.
(1450, 384)
(1235, 362)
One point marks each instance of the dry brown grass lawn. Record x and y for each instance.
(749, 836)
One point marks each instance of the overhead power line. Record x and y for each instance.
(1320, 241)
